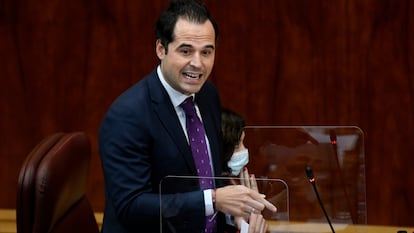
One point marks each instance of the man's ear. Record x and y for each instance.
(159, 49)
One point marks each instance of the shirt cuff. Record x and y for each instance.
(208, 201)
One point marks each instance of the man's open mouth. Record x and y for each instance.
(192, 76)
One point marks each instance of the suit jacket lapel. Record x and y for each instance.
(166, 113)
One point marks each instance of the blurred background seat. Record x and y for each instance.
(52, 184)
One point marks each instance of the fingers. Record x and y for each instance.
(244, 177)
(238, 200)
(269, 206)
(248, 180)
(263, 226)
(254, 204)
(261, 199)
(258, 202)
(257, 224)
(253, 211)
(248, 211)
(253, 183)
(252, 223)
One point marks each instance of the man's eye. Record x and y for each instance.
(206, 52)
(185, 51)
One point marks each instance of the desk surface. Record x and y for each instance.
(8, 220)
(8, 225)
(297, 227)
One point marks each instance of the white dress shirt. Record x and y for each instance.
(177, 98)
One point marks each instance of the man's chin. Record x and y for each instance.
(190, 92)
(191, 89)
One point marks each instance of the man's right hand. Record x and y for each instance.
(241, 201)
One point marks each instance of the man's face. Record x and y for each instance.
(190, 56)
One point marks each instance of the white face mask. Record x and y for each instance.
(237, 161)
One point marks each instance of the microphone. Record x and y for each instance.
(312, 180)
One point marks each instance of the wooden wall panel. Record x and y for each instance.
(279, 62)
(382, 57)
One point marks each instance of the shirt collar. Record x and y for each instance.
(176, 97)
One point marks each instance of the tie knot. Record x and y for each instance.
(188, 106)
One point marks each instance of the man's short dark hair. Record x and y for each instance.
(191, 10)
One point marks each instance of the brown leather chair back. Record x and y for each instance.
(52, 185)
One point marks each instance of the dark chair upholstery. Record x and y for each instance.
(52, 184)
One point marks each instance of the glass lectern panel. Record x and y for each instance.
(180, 210)
(336, 156)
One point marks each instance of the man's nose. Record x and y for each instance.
(196, 60)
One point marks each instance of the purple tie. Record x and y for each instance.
(197, 138)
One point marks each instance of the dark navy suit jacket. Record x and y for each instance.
(141, 142)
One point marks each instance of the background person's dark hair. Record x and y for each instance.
(232, 125)
(191, 10)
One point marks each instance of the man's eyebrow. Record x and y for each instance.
(184, 45)
(210, 47)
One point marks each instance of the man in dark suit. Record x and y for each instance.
(143, 137)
